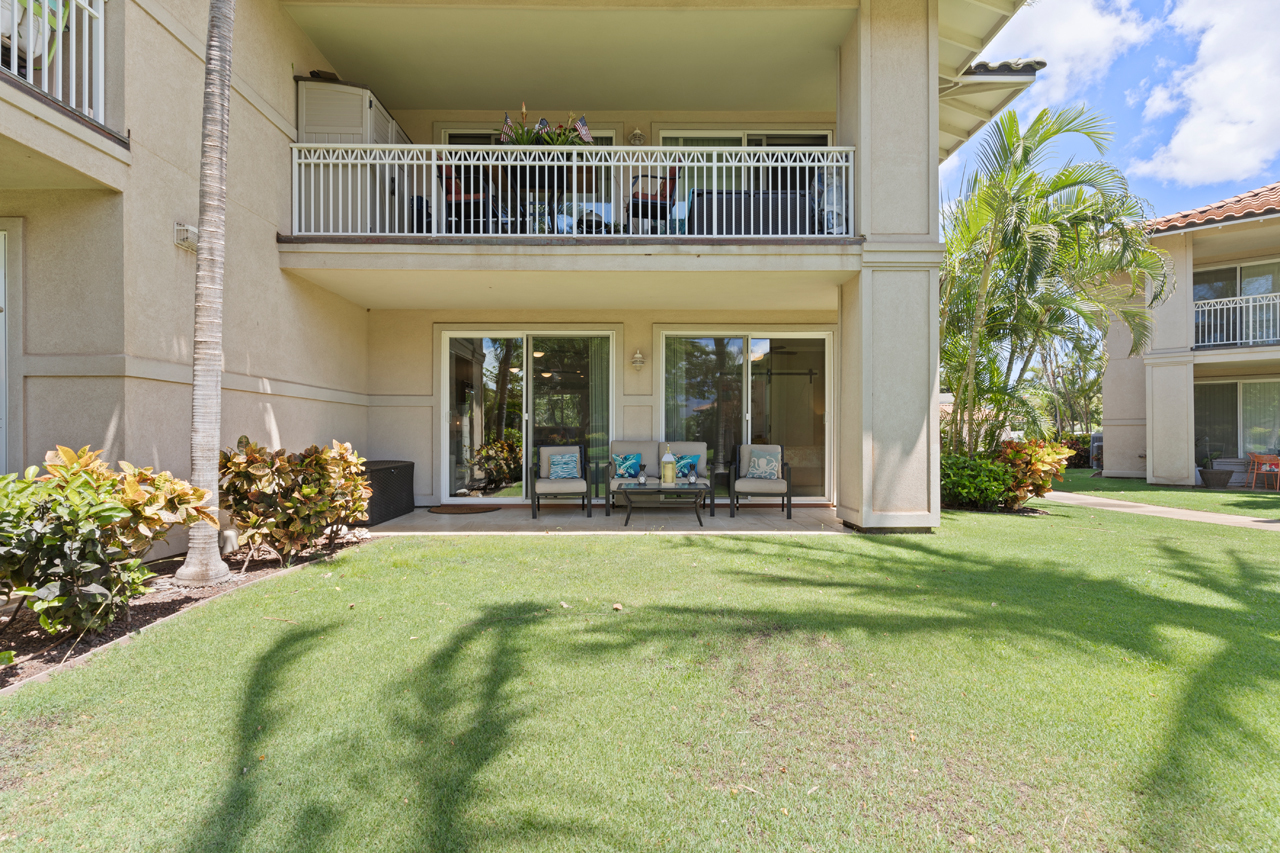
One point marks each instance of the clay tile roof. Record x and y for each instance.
(1253, 203)
(1008, 66)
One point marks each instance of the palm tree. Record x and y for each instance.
(1038, 243)
(204, 565)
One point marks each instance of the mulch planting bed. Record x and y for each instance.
(35, 651)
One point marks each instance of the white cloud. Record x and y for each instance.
(1079, 39)
(1228, 97)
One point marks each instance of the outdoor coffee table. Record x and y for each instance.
(681, 492)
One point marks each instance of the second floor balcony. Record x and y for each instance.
(57, 48)
(1238, 321)
(548, 193)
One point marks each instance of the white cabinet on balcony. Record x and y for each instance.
(336, 113)
(360, 198)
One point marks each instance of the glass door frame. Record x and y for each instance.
(1239, 383)
(526, 335)
(828, 338)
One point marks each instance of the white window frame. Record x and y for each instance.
(1238, 266)
(828, 337)
(527, 334)
(743, 135)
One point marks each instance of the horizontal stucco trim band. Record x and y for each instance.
(154, 370)
(191, 42)
(1106, 422)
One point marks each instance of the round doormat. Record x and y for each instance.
(461, 509)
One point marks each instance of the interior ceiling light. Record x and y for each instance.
(546, 376)
(537, 354)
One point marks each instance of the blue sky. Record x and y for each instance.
(1192, 87)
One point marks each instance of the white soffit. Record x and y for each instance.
(485, 58)
(970, 95)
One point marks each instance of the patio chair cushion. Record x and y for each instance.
(648, 451)
(765, 463)
(759, 486)
(560, 487)
(545, 454)
(627, 466)
(564, 466)
(684, 463)
(687, 448)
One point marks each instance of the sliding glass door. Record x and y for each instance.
(732, 390)
(569, 403)
(507, 395)
(486, 417)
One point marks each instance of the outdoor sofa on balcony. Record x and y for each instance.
(650, 453)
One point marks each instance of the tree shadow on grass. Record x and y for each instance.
(467, 707)
(953, 592)
(464, 707)
(231, 825)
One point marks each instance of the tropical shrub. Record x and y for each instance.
(500, 461)
(285, 502)
(1078, 444)
(71, 540)
(1034, 465)
(979, 483)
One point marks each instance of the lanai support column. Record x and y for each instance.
(887, 473)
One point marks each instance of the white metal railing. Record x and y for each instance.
(586, 191)
(1238, 321)
(56, 46)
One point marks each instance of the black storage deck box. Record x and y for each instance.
(392, 483)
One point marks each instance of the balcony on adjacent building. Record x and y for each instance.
(595, 192)
(56, 48)
(1238, 321)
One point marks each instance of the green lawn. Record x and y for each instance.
(1260, 503)
(1076, 681)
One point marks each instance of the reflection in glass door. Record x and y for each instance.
(486, 408)
(789, 406)
(569, 400)
(704, 394)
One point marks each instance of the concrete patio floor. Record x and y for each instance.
(572, 520)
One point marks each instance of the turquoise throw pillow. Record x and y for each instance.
(765, 465)
(564, 466)
(626, 466)
(685, 463)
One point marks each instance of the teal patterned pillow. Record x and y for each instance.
(626, 466)
(564, 466)
(765, 464)
(684, 463)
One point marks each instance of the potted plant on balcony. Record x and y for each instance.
(547, 171)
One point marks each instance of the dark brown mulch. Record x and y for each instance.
(35, 651)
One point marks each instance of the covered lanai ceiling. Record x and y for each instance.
(650, 55)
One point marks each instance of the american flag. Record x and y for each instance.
(581, 126)
(543, 126)
(508, 131)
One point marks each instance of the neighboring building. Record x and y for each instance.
(1209, 386)
(750, 251)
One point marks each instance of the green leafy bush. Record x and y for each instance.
(1035, 464)
(979, 483)
(500, 461)
(285, 502)
(71, 541)
(1078, 444)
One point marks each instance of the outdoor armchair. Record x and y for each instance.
(741, 485)
(544, 486)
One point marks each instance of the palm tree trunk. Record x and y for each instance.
(204, 565)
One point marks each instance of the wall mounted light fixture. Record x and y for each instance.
(637, 137)
(637, 360)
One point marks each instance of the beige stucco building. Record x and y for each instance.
(749, 252)
(1209, 384)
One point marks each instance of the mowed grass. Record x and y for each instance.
(1076, 681)
(1262, 503)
